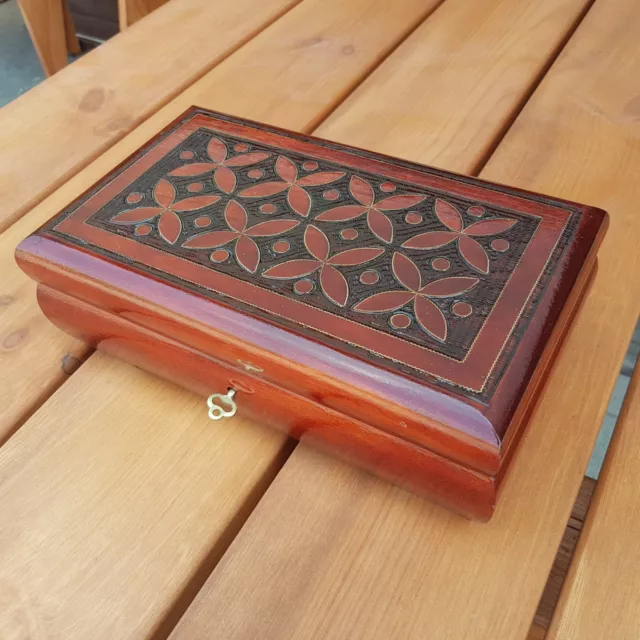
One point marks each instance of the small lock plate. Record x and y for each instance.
(222, 405)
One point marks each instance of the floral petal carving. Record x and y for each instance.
(247, 254)
(489, 227)
(395, 203)
(471, 250)
(246, 159)
(236, 216)
(334, 285)
(264, 189)
(299, 200)
(353, 257)
(448, 215)
(322, 177)
(385, 301)
(164, 193)
(271, 228)
(195, 203)
(286, 169)
(380, 225)
(316, 242)
(292, 269)
(210, 239)
(430, 240)
(445, 287)
(430, 318)
(342, 213)
(225, 179)
(193, 169)
(131, 216)
(170, 226)
(406, 271)
(361, 190)
(217, 150)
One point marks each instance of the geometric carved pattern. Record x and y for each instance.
(240, 238)
(377, 258)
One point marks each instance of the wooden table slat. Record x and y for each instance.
(332, 552)
(600, 596)
(166, 537)
(58, 127)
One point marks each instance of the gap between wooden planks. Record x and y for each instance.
(292, 74)
(106, 532)
(307, 62)
(54, 130)
(331, 552)
(600, 596)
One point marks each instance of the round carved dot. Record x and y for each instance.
(134, 198)
(143, 229)
(370, 276)
(462, 309)
(309, 165)
(195, 187)
(303, 286)
(400, 321)
(413, 217)
(500, 245)
(255, 173)
(440, 264)
(349, 234)
(203, 221)
(186, 155)
(282, 246)
(387, 187)
(268, 208)
(331, 194)
(242, 146)
(476, 211)
(219, 255)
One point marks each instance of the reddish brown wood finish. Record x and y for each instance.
(422, 307)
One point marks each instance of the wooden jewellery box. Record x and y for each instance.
(399, 316)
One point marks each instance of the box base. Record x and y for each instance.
(421, 471)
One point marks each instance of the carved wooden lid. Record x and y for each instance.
(452, 282)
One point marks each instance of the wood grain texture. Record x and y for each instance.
(331, 552)
(130, 11)
(446, 96)
(58, 127)
(45, 22)
(36, 348)
(172, 556)
(109, 517)
(600, 596)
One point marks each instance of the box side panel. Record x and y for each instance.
(453, 486)
(391, 403)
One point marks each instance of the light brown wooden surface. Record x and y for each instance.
(601, 596)
(110, 391)
(54, 130)
(130, 11)
(300, 96)
(331, 552)
(45, 22)
(116, 499)
(112, 517)
(445, 97)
